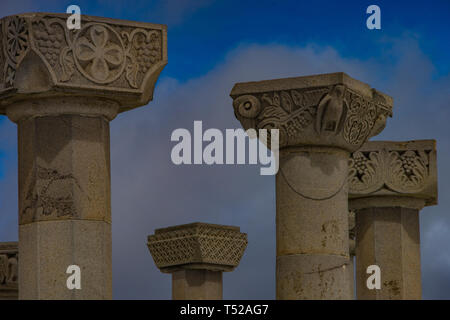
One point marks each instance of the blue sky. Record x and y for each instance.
(212, 45)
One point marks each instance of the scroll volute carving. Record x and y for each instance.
(335, 115)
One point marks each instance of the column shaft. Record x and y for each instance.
(389, 237)
(312, 224)
(351, 277)
(189, 284)
(64, 206)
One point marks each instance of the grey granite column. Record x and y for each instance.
(196, 254)
(62, 88)
(321, 119)
(390, 182)
(9, 256)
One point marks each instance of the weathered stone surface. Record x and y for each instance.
(320, 119)
(382, 169)
(197, 284)
(62, 88)
(352, 248)
(196, 254)
(322, 110)
(312, 276)
(9, 256)
(389, 237)
(197, 246)
(47, 248)
(389, 183)
(64, 168)
(108, 58)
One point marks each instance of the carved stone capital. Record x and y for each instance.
(332, 110)
(197, 246)
(110, 59)
(9, 270)
(394, 171)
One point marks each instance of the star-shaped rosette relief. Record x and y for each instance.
(100, 54)
(16, 38)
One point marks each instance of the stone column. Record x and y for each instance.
(61, 88)
(389, 183)
(352, 247)
(321, 119)
(196, 254)
(9, 256)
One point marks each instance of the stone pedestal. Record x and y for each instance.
(389, 183)
(321, 119)
(62, 88)
(9, 257)
(196, 254)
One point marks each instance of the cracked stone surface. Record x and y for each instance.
(321, 119)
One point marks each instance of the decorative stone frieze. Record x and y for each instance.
(397, 169)
(321, 110)
(114, 59)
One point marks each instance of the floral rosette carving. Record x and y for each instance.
(407, 171)
(113, 54)
(99, 53)
(365, 172)
(16, 45)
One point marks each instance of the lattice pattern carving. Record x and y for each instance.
(212, 246)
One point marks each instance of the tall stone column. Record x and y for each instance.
(62, 87)
(390, 182)
(196, 254)
(352, 248)
(321, 119)
(9, 256)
